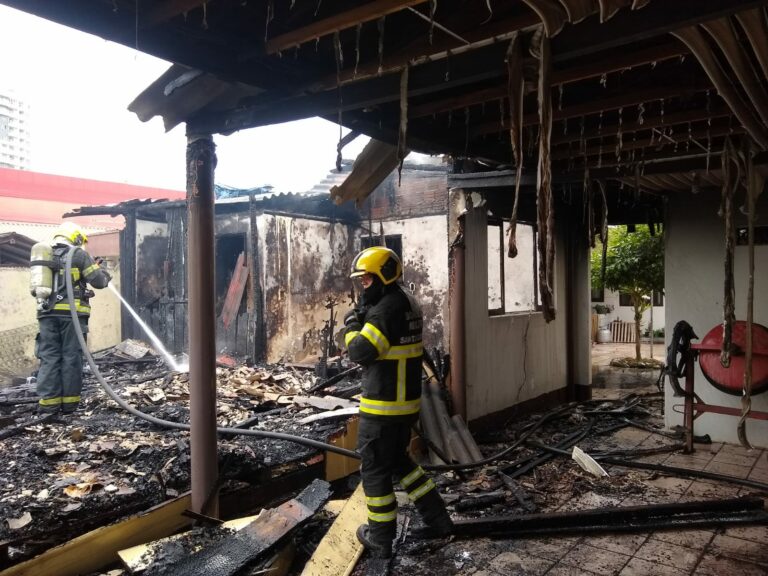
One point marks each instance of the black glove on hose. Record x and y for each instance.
(352, 317)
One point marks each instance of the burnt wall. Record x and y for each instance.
(304, 263)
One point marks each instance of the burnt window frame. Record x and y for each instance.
(500, 223)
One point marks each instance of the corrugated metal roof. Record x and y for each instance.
(15, 249)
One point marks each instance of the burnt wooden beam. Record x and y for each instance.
(609, 149)
(421, 51)
(695, 115)
(337, 22)
(468, 68)
(565, 76)
(621, 100)
(619, 519)
(630, 26)
(695, 163)
(163, 11)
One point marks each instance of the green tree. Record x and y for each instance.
(634, 265)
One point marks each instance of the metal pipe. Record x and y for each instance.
(688, 415)
(457, 323)
(201, 161)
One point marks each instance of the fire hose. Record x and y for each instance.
(167, 423)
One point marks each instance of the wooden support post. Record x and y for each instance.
(201, 160)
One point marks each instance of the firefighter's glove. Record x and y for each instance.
(353, 320)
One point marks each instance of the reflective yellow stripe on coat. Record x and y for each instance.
(400, 406)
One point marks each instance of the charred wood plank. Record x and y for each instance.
(257, 538)
(622, 519)
(338, 22)
(518, 493)
(628, 26)
(235, 291)
(479, 502)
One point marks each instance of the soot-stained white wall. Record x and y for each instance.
(694, 270)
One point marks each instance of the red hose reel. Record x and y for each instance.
(682, 354)
(731, 380)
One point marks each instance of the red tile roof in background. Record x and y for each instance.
(43, 198)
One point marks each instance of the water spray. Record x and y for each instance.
(148, 331)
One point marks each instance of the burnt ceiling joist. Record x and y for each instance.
(646, 80)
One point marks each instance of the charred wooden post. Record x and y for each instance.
(201, 162)
(457, 346)
(128, 273)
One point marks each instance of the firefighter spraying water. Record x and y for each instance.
(60, 377)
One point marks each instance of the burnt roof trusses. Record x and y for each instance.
(644, 91)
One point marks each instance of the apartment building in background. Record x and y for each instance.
(14, 131)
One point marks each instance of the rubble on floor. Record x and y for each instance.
(76, 471)
(64, 475)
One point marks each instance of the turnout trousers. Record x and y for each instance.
(60, 377)
(383, 447)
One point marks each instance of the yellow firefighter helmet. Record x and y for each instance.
(379, 261)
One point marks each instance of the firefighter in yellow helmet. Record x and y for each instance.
(384, 336)
(60, 376)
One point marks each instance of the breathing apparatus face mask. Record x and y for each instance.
(373, 293)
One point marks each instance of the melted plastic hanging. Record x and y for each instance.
(619, 135)
(490, 12)
(466, 130)
(432, 10)
(709, 127)
(380, 26)
(358, 30)
(640, 114)
(403, 130)
(270, 17)
(339, 54)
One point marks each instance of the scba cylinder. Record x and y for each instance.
(41, 274)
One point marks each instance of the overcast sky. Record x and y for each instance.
(79, 87)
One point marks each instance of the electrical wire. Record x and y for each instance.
(167, 423)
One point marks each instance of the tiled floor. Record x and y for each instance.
(737, 551)
(720, 552)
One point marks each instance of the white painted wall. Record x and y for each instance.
(425, 266)
(694, 255)
(627, 313)
(19, 326)
(514, 357)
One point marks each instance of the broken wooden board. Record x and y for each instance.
(332, 414)
(258, 538)
(98, 548)
(235, 291)
(140, 557)
(339, 550)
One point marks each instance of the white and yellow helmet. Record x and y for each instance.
(72, 232)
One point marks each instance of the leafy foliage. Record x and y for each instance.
(634, 265)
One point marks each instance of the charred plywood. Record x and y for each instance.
(305, 262)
